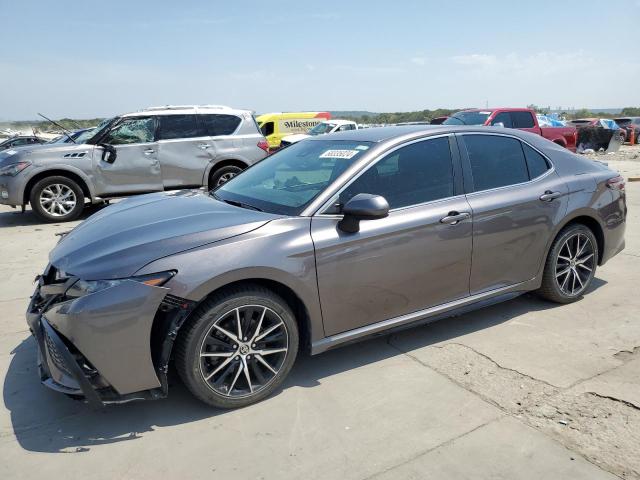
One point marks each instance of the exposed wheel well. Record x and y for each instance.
(226, 163)
(50, 173)
(595, 227)
(297, 306)
(560, 142)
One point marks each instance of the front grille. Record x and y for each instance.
(54, 355)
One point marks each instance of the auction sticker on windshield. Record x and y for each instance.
(340, 154)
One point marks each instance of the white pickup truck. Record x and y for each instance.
(328, 126)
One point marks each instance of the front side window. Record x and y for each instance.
(267, 129)
(132, 130)
(418, 173)
(522, 120)
(496, 161)
(215, 124)
(290, 179)
(504, 118)
(178, 126)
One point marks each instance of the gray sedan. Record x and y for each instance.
(325, 242)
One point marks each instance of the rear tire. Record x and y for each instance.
(570, 266)
(57, 199)
(238, 347)
(223, 175)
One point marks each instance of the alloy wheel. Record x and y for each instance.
(58, 199)
(243, 351)
(224, 178)
(575, 264)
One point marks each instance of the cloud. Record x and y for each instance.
(418, 60)
(475, 59)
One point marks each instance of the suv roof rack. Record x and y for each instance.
(185, 107)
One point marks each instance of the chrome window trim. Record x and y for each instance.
(375, 158)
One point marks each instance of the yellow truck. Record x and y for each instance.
(274, 126)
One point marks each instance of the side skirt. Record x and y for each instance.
(422, 317)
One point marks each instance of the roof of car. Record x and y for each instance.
(337, 121)
(408, 132)
(182, 109)
(504, 109)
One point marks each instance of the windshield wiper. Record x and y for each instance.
(238, 204)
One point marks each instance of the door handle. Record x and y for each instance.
(148, 151)
(548, 196)
(204, 146)
(454, 217)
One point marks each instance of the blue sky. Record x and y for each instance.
(87, 58)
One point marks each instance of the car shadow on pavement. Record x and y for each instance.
(46, 421)
(15, 218)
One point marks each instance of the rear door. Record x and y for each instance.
(516, 198)
(184, 150)
(225, 139)
(408, 261)
(136, 168)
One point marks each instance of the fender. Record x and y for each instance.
(580, 212)
(59, 167)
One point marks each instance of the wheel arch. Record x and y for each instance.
(560, 141)
(61, 172)
(584, 217)
(288, 294)
(214, 166)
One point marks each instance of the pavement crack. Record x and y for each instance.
(624, 402)
(431, 449)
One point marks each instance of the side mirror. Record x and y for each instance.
(109, 152)
(363, 206)
(498, 124)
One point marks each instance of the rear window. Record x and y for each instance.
(496, 161)
(215, 124)
(177, 126)
(467, 118)
(522, 120)
(536, 163)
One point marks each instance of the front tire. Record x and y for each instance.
(571, 265)
(57, 199)
(238, 347)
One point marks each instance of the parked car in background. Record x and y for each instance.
(629, 125)
(322, 243)
(598, 133)
(160, 148)
(77, 136)
(322, 128)
(21, 141)
(275, 126)
(438, 120)
(519, 118)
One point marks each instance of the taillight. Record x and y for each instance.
(264, 145)
(616, 183)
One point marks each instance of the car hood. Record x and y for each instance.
(35, 153)
(121, 239)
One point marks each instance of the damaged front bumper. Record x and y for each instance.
(111, 346)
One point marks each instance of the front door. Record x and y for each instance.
(516, 199)
(415, 258)
(136, 168)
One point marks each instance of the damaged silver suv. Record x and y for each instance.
(156, 149)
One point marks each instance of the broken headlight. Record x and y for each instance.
(86, 287)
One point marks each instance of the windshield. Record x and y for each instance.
(467, 118)
(289, 180)
(322, 128)
(97, 132)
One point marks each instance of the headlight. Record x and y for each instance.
(13, 169)
(86, 287)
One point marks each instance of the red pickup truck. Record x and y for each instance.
(520, 118)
